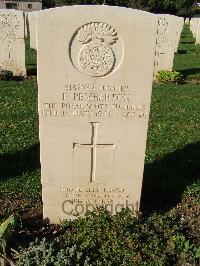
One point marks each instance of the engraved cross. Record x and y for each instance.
(94, 146)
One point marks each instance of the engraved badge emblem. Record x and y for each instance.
(93, 49)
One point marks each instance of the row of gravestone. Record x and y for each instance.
(195, 28)
(15, 25)
(95, 73)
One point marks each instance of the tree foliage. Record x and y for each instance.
(176, 7)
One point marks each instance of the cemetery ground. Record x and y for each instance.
(167, 232)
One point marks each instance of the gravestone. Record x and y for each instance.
(26, 24)
(187, 21)
(197, 30)
(179, 27)
(12, 46)
(166, 43)
(32, 29)
(95, 77)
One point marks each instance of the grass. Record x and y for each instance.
(187, 60)
(174, 120)
(31, 58)
(19, 152)
(172, 147)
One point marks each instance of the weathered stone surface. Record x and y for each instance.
(95, 71)
(12, 46)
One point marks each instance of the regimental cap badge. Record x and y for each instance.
(96, 57)
(96, 49)
(97, 31)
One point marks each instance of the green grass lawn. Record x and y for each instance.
(172, 147)
(187, 60)
(19, 140)
(31, 59)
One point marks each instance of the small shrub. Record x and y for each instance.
(169, 77)
(6, 230)
(188, 213)
(46, 252)
(100, 238)
(7, 227)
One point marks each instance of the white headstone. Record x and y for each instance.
(168, 35)
(187, 21)
(95, 72)
(32, 29)
(12, 46)
(197, 25)
(26, 24)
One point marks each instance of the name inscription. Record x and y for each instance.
(89, 100)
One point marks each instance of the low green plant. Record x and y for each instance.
(100, 238)
(6, 230)
(188, 213)
(164, 76)
(47, 252)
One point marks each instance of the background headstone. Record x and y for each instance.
(95, 76)
(26, 24)
(187, 21)
(179, 27)
(195, 28)
(168, 35)
(32, 29)
(12, 46)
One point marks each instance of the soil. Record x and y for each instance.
(30, 221)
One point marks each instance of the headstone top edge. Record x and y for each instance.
(167, 15)
(96, 7)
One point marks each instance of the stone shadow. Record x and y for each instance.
(187, 42)
(181, 51)
(15, 164)
(31, 70)
(163, 184)
(165, 180)
(189, 71)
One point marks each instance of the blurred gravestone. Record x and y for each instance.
(12, 46)
(168, 35)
